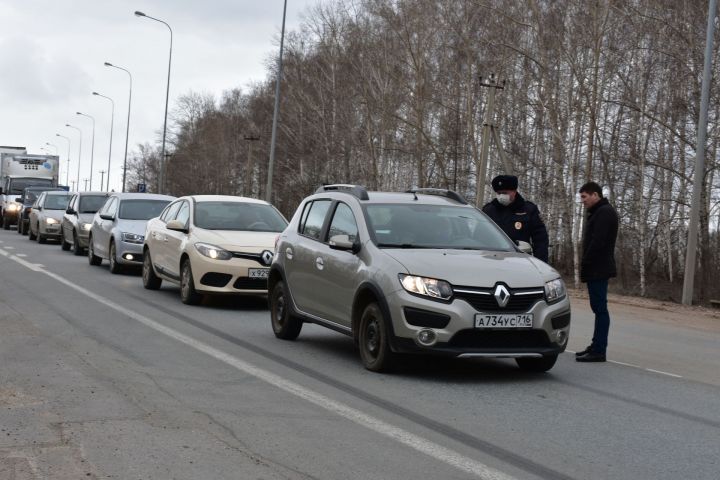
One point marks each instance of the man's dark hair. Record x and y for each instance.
(592, 187)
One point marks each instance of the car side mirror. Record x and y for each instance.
(176, 225)
(343, 242)
(19, 199)
(105, 216)
(525, 247)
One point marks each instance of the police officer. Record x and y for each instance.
(519, 218)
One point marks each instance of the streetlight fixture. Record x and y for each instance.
(268, 193)
(127, 130)
(167, 97)
(67, 171)
(92, 148)
(112, 123)
(51, 145)
(79, 153)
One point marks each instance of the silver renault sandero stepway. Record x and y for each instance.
(415, 272)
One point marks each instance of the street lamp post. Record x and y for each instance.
(67, 170)
(268, 193)
(79, 153)
(127, 130)
(51, 145)
(92, 147)
(112, 123)
(167, 97)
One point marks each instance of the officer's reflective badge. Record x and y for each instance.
(518, 225)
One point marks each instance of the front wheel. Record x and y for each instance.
(115, 267)
(31, 235)
(188, 294)
(64, 244)
(6, 223)
(537, 364)
(76, 248)
(284, 324)
(150, 280)
(92, 258)
(373, 341)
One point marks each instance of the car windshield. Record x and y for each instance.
(253, 217)
(19, 184)
(56, 202)
(141, 209)
(434, 226)
(31, 196)
(91, 203)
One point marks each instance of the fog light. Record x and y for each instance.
(426, 337)
(561, 336)
(129, 256)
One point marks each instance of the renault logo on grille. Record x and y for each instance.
(502, 296)
(266, 257)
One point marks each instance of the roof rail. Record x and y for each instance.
(355, 190)
(441, 192)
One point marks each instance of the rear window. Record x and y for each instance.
(56, 202)
(141, 209)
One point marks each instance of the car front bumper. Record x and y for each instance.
(228, 276)
(459, 336)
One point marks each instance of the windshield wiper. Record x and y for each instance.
(402, 245)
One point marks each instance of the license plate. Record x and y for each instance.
(514, 320)
(258, 272)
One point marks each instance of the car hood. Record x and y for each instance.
(56, 214)
(132, 226)
(251, 242)
(85, 217)
(476, 268)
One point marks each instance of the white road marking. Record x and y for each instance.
(664, 373)
(10, 248)
(416, 442)
(21, 255)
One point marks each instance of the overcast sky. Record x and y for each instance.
(52, 54)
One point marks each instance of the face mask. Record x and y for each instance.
(504, 199)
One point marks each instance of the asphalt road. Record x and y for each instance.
(100, 378)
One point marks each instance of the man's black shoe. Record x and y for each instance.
(588, 349)
(591, 357)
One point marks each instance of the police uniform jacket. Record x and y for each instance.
(601, 228)
(521, 222)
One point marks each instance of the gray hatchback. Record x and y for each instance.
(415, 272)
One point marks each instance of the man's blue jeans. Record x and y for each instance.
(597, 290)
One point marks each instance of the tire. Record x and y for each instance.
(6, 223)
(76, 248)
(285, 325)
(115, 267)
(375, 351)
(63, 244)
(31, 235)
(40, 237)
(150, 280)
(537, 364)
(188, 294)
(92, 258)
(19, 226)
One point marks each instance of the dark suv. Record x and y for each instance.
(415, 272)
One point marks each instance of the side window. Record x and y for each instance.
(39, 200)
(303, 217)
(170, 212)
(312, 227)
(184, 213)
(343, 223)
(112, 207)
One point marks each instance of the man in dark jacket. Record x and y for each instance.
(598, 265)
(519, 218)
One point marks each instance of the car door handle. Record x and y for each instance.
(288, 253)
(319, 263)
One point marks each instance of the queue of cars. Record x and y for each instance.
(420, 271)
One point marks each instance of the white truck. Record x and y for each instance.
(19, 171)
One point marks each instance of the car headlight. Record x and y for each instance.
(554, 290)
(132, 237)
(211, 251)
(86, 226)
(51, 221)
(13, 207)
(427, 287)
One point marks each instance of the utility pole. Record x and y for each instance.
(72, 182)
(247, 187)
(85, 180)
(268, 190)
(102, 178)
(699, 176)
(487, 130)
